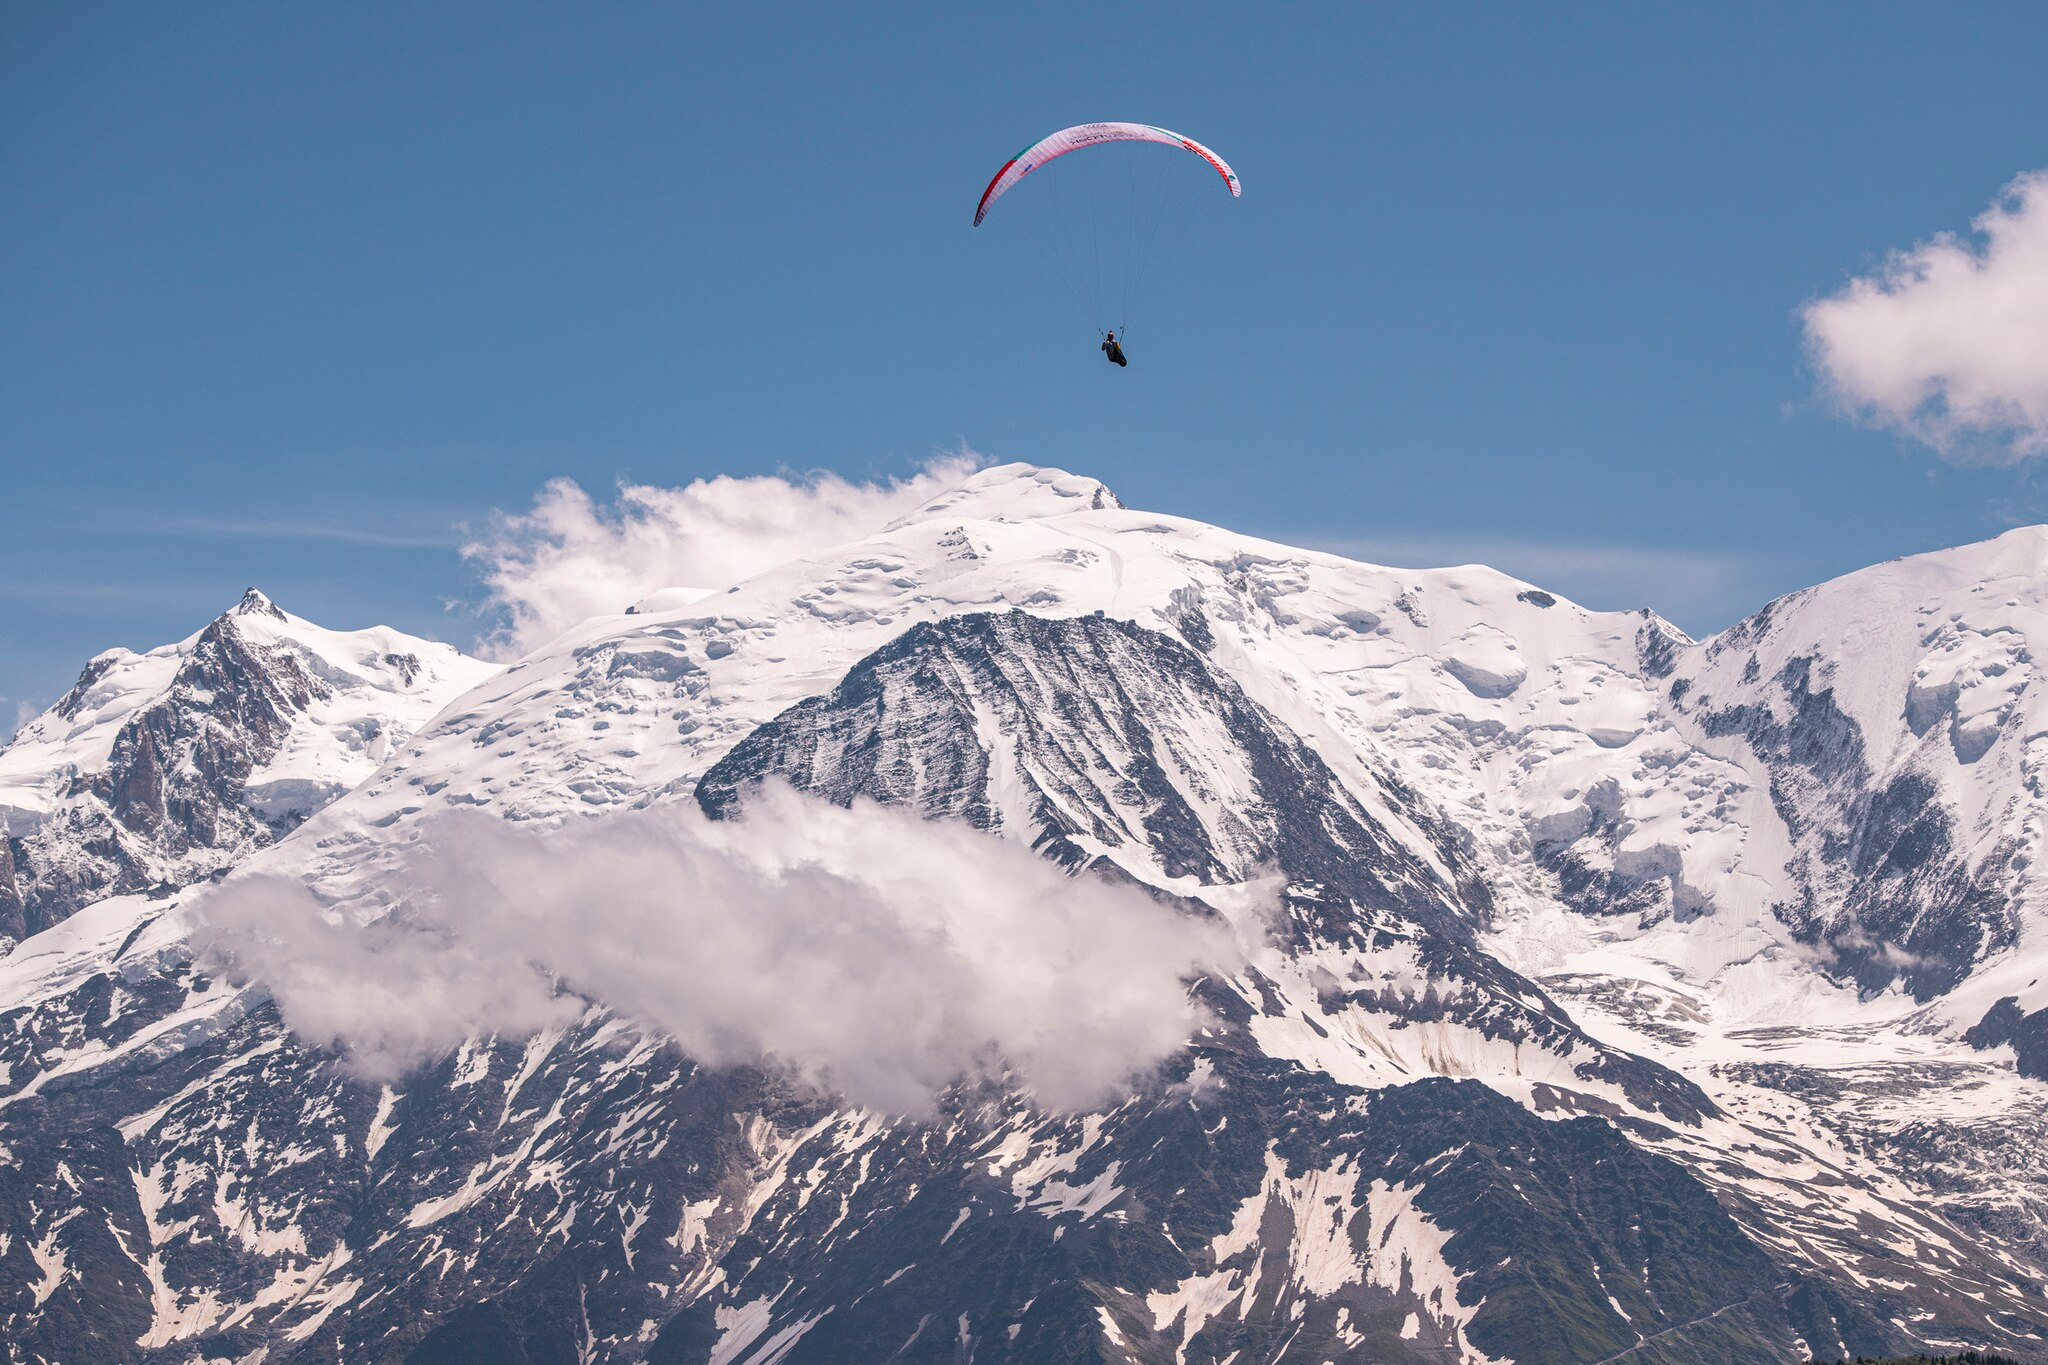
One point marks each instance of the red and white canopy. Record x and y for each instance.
(1092, 135)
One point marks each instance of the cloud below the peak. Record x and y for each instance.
(864, 950)
(1948, 341)
(572, 557)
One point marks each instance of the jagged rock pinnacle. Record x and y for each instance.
(254, 603)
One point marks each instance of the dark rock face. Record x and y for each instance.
(597, 1191)
(1111, 733)
(13, 917)
(1595, 876)
(1883, 883)
(184, 1179)
(2028, 1034)
(1118, 731)
(167, 807)
(1657, 648)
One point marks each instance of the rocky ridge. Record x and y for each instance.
(158, 770)
(1637, 998)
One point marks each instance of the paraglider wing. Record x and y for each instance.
(1091, 135)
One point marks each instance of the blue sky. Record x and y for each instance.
(289, 293)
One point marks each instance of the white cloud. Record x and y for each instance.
(1948, 342)
(865, 950)
(24, 712)
(571, 558)
(259, 529)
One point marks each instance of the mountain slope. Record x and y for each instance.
(1442, 1222)
(1094, 739)
(1577, 1037)
(156, 770)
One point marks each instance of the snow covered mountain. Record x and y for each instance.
(1627, 998)
(156, 770)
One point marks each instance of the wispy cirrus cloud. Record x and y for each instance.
(1948, 341)
(99, 594)
(261, 529)
(385, 524)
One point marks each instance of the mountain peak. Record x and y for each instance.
(1469, 829)
(254, 603)
(1017, 492)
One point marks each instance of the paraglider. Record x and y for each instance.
(1103, 250)
(1073, 139)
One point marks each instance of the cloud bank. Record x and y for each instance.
(866, 951)
(571, 558)
(1949, 341)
